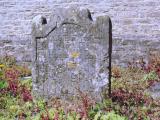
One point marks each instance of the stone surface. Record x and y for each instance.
(71, 53)
(154, 90)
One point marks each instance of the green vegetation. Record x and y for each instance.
(129, 99)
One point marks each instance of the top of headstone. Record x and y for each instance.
(73, 15)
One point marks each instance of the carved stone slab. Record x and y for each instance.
(71, 53)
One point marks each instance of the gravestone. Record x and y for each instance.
(71, 54)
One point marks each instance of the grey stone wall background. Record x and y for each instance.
(136, 24)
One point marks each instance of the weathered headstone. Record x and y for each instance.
(71, 52)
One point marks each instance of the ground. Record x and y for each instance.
(133, 95)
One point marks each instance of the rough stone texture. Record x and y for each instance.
(71, 53)
(136, 24)
(154, 90)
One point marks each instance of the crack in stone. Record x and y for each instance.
(47, 33)
(64, 23)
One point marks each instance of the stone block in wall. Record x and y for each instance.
(71, 54)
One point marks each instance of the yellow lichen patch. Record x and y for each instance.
(75, 54)
(71, 64)
(1, 65)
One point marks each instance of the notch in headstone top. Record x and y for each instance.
(39, 26)
(86, 13)
(39, 20)
(43, 20)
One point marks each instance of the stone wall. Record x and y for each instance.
(136, 24)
